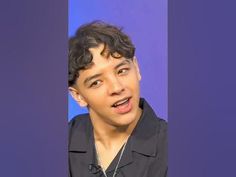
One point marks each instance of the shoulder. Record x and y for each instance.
(161, 130)
(159, 163)
(79, 122)
(162, 125)
(151, 119)
(160, 134)
(79, 129)
(162, 139)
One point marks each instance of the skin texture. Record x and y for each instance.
(113, 84)
(98, 87)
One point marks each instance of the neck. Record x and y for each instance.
(108, 134)
(109, 138)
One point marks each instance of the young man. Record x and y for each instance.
(121, 136)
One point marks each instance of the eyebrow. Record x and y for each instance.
(98, 75)
(91, 78)
(122, 63)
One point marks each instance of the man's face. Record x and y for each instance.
(110, 89)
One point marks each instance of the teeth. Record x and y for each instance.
(121, 102)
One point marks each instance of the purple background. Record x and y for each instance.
(33, 96)
(202, 85)
(201, 91)
(146, 23)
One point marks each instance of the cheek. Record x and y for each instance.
(133, 81)
(96, 96)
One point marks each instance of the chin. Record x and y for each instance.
(125, 120)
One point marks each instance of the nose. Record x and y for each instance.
(115, 86)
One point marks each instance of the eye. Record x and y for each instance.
(123, 71)
(95, 84)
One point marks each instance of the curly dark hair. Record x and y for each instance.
(91, 35)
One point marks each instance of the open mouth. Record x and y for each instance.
(121, 102)
(123, 106)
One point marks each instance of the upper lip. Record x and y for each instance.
(120, 101)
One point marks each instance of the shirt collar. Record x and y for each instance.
(143, 140)
(144, 137)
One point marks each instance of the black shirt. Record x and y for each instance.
(145, 154)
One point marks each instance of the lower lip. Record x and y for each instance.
(123, 109)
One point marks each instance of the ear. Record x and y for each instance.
(137, 68)
(77, 97)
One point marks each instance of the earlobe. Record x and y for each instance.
(77, 97)
(137, 68)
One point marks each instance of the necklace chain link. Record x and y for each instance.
(117, 165)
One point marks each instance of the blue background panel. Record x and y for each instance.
(146, 23)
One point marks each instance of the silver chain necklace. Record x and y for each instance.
(121, 154)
